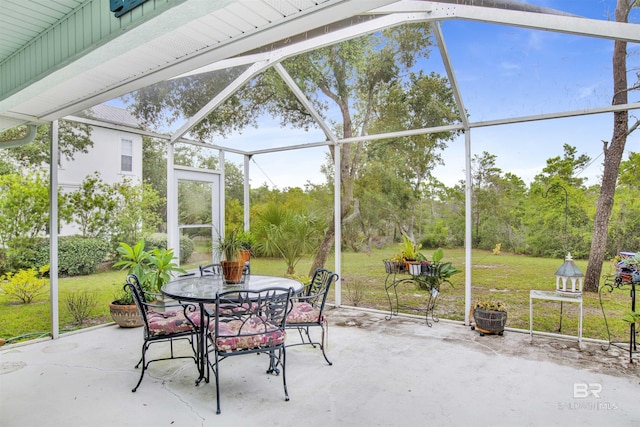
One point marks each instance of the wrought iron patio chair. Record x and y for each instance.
(308, 309)
(249, 322)
(211, 270)
(164, 323)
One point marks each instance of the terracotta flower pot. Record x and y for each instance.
(244, 255)
(232, 271)
(126, 316)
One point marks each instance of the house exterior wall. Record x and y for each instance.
(105, 158)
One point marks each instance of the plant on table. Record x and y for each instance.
(247, 241)
(229, 247)
(435, 272)
(410, 251)
(408, 255)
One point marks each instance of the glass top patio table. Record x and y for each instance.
(203, 289)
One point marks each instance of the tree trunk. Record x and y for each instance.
(612, 158)
(348, 166)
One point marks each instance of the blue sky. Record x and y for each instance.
(506, 71)
(502, 72)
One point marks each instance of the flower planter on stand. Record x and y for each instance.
(392, 266)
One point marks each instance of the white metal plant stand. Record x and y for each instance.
(556, 296)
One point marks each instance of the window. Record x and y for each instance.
(126, 155)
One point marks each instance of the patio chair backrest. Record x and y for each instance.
(270, 304)
(133, 285)
(146, 308)
(211, 270)
(315, 293)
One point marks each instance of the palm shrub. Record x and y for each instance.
(282, 232)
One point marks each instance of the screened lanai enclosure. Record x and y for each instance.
(283, 87)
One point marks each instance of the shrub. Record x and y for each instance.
(81, 304)
(77, 255)
(355, 292)
(435, 235)
(20, 254)
(159, 240)
(25, 285)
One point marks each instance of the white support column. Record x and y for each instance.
(173, 234)
(467, 228)
(247, 192)
(53, 231)
(337, 220)
(223, 190)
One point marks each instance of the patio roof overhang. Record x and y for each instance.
(197, 36)
(53, 65)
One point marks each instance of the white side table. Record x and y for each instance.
(556, 296)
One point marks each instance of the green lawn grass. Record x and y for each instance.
(506, 277)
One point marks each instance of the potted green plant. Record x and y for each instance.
(123, 309)
(229, 247)
(490, 317)
(409, 251)
(247, 242)
(153, 269)
(434, 272)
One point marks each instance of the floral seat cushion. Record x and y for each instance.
(303, 312)
(171, 322)
(251, 333)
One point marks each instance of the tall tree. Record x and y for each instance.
(624, 228)
(484, 183)
(418, 101)
(355, 77)
(613, 152)
(557, 215)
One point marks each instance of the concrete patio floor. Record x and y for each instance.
(385, 373)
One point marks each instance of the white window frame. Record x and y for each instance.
(123, 154)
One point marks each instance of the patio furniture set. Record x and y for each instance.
(221, 320)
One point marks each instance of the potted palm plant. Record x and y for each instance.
(229, 247)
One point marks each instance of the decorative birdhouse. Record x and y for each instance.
(569, 277)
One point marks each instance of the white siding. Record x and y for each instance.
(105, 158)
